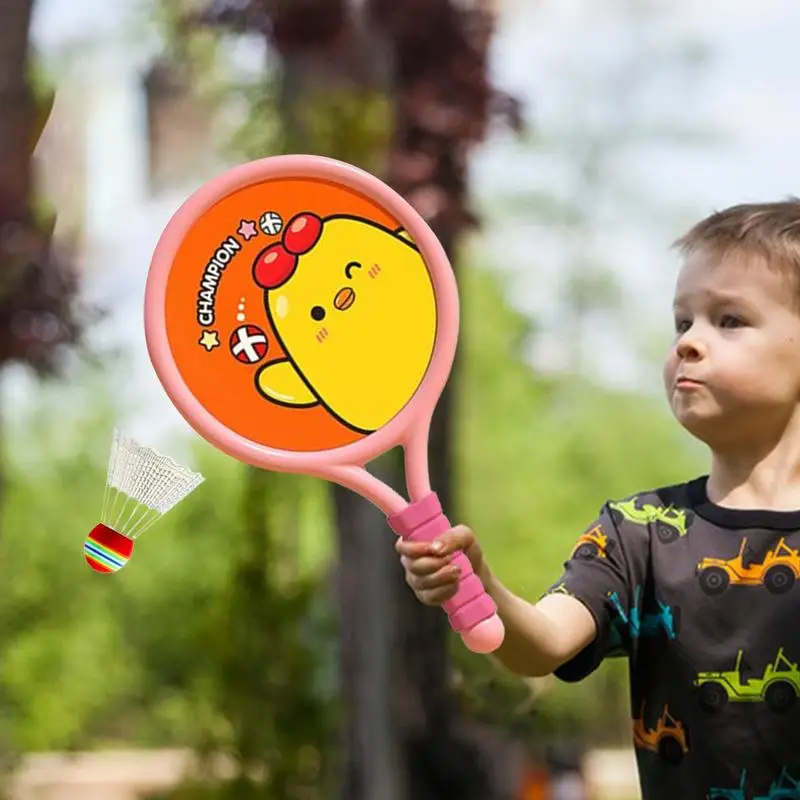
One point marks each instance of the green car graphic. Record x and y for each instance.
(778, 687)
(670, 523)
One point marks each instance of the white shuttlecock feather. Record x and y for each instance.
(141, 486)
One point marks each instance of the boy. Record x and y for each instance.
(695, 583)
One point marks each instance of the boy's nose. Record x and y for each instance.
(690, 347)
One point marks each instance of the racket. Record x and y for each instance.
(302, 317)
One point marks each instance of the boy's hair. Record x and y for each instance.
(770, 231)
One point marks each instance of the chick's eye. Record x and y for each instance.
(318, 313)
(348, 270)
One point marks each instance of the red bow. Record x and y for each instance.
(275, 264)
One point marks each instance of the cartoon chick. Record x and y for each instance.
(353, 306)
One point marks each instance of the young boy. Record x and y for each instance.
(695, 583)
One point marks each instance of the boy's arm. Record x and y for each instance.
(541, 637)
(582, 618)
(575, 625)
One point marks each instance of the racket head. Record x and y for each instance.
(301, 315)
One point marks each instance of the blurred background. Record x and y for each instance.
(262, 644)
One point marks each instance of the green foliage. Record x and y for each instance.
(335, 118)
(348, 124)
(265, 662)
(187, 44)
(537, 458)
(143, 657)
(547, 451)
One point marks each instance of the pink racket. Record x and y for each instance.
(303, 318)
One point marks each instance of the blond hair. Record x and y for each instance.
(769, 231)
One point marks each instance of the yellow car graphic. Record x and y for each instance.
(777, 572)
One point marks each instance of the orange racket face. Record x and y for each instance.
(298, 310)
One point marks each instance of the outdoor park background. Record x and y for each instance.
(265, 619)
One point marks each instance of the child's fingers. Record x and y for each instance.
(435, 597)
(428, 565)
(445, 576)
(435, 589)
(458, 538)
(420, 567)
(412, 549)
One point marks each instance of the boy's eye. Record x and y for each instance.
(682, 325)
(730, 321)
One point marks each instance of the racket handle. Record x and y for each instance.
(471, 612)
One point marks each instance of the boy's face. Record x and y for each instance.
(733, 372)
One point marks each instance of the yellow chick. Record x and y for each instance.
(353, 306)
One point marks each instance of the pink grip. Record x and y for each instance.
(471, 612)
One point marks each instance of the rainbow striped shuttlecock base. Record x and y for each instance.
(105, 550)
(141, 486)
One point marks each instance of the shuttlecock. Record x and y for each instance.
(141, 486)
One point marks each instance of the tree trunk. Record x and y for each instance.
(411, 671)
(340, 58)
(16, 129)
(17, 111)
(442, 96)
(367, 574)
(37, 288)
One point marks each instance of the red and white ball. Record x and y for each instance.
(249, 344)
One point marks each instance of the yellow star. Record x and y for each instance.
(209, 340)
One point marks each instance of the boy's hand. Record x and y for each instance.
(429, 571)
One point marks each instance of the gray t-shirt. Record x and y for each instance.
(704, 603)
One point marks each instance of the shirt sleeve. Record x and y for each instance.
(602, 572)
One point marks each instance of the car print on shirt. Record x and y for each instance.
(667, 739)
(670, 523)
(778, 687)
(592, 544)
(777, 572)
(784, 788)
(647, 623)
(739, 793)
